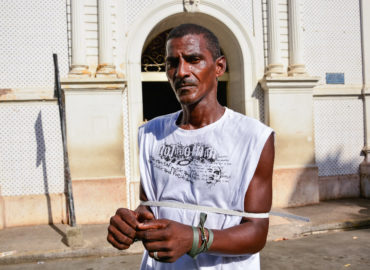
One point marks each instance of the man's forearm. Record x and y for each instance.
(248, 237)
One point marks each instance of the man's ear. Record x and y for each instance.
(220, 66)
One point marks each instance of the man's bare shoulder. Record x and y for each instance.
(242, 124)
(159, 124)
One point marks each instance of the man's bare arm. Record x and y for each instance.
(250, 236)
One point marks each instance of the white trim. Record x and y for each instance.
(365, 24)
(27, 94)
(161, 77)
(337, 90)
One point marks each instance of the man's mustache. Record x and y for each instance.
(185, 82)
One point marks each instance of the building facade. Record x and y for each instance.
(300, 66)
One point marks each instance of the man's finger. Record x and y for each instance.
(120, 237)
(114, 243)
(145, 215)
(153, 235)
(153, 224)
(122, 226)
(156, 246)
(130, 217)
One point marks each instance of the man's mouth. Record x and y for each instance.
(183, 84)
(184, 87)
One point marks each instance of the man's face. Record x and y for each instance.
(191, 69)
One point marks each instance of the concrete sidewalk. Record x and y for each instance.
(44, 242)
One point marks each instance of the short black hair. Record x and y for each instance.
(195, 29)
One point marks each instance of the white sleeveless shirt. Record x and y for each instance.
(211, 166)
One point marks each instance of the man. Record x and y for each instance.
(205, 158)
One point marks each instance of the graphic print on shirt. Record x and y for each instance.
(193, 162)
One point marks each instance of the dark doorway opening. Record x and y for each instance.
(159, 98)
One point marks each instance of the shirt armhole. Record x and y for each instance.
(255, 158)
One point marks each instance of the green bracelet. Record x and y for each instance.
(195, 251)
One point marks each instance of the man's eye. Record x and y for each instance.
(171, 63)
(194, 60)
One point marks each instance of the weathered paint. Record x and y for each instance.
(92, 160)
(339, 186)
(365, 179)
(295, 187)
(96, 200)
(294, 150)
(34, 210)
(25, 94)
(5, 91)
(2, 212)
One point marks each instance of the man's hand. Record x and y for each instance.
(123, 225)
(170, 239)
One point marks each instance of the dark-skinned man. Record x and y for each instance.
(204, 159)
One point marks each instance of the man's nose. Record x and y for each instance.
(183, 69)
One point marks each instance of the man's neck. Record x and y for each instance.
(198, 116)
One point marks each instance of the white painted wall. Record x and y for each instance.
(339, 135)
(332, 39)
(31, 150)
(31, 31)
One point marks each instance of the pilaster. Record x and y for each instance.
(365, 44)
(105, 67)
(289, 111)
(296, 63)
(79, 68)
(275, 66)
(97, 131)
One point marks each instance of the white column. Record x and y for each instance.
(296, 64)
(275, 66)
(78, 67)
(365, 44)
(106, 67)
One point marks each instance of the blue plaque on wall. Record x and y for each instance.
(334, 78)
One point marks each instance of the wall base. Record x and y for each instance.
(97, 200)
(34, 210)
(2, 217)
(365, 179)
(339, 186)
(295, 187)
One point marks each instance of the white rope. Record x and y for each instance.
(203, 209)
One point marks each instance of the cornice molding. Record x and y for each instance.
(27, 94)
(289, 84)
(93, 83)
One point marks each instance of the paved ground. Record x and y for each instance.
(335, 250)
(125, 262)
(47, 242)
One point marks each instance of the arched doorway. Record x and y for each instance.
(158, 97)
(238, 45)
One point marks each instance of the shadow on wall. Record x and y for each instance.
(41, 160)
(259, 95)
(337, 177)
(336, 163)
